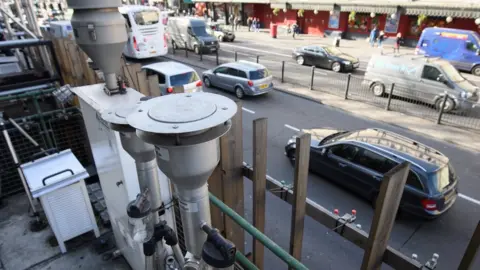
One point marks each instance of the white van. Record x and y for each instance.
(146, 32)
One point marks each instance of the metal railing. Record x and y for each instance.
(419, 103)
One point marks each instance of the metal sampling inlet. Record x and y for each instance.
(185, 129)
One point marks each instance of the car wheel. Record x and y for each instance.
(336, 66)
(196, 49)
(449, 104)
(239, 92)
(476, 70)
(300, 60)
(207, 82)
(378, 89)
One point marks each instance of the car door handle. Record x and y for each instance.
(343, 165)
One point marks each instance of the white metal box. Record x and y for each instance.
(62, 29)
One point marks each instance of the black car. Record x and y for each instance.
(358, 160)
(325, 57)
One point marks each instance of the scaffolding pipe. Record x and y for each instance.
(24, 28)
(27, 95)
(267, 242)
(19, 11)
(245, 262)
(26, 89)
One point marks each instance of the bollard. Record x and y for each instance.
(173, 48)
(258, 59)
(186, 50)
(387, 108)
(283, 70)
(312, 78)
(216, 57)
(236, 56)
(349, 76)
(440, 114)
(201, 55)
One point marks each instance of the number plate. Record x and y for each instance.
(263, 86)
(153, 52)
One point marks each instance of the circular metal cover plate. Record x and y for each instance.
(118, 115)
(182, 113)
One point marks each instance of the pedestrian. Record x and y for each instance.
(254, 24)
(398, 41)
(373, 36)
(381, 38)
(294, 29)
(249, 23)
(237, 22)
(231, 21)
(258, 25)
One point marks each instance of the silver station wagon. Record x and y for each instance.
(242, 78)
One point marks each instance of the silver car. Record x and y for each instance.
(242, 78)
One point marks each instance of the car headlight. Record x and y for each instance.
(347, 62)
(466, 95)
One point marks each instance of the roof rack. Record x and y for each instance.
(400, 143)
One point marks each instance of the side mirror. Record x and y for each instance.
(441, 78)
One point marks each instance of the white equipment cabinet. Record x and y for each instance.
(58, 180)
(115, 168)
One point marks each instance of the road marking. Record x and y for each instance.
(247, 110)
(472, 200)
(257, 50)
(292, 128)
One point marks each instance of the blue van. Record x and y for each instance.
(460, 47)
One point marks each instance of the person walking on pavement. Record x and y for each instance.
(249, 23)
(381, 38)
(398, 41)
(237, 22)
(254, 24)
(258, 25)
(231, 21)
(294, 29)
(373, 36)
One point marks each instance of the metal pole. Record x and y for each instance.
(24, 133)
(267, 242)
(440, 114)
(283, 70)
(312, 78)
(186, 50)
(390, 97)
(17, 163)
(258, 59)
(24, 28)
(201, 55)
(42, 123)
(216, 57)
(236, 56)
(347, 87)
(19, 11)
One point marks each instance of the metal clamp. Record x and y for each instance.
(340, 222)
(55, 174)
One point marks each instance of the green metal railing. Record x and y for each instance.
(267, 242)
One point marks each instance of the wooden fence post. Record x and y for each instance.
(302, 159)
(386, 209)
(472, 249)
(143, 86)
(153, 87)
(259, 185)
(231, 148)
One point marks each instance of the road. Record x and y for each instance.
(447, 236)
(335, 83)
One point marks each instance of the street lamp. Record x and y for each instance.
(449, 19)
(393, 16)
(315, 12)
(331, 12)
(372, 15)
(285, 10)
(477, 21)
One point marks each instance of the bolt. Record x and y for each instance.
(140, 110)
(359, 226)
(224, 108)
(175, 127)
(435, 257)
(414, 256)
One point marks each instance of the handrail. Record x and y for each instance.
(244, 262)
(267, 242)
(28, 94)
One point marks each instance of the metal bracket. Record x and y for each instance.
(343, 220)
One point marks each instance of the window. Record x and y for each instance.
(200, 31)
(430, 73)
(182, 79)
(259, 74)
(345, 151)
(242, 74)
(413, 181)
(471, 47)
(149, 17)
(161, 78)
(221, 70)
(232, 72)
(374, 161)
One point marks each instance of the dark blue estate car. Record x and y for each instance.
(359, 159)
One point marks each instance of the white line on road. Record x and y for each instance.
(247, 110)
(256, 50)
(463, 196)
(292, 128)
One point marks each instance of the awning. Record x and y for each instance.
(311, 6)
(232, 1)
(369, 9)
(444, 12)
(187, 1)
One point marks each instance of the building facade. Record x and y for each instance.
(356, 18)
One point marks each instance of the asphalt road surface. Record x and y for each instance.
(448, 235)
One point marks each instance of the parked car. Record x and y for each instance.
(422, 79)
(174, 77)
(460, 47)
(325, 57)
(242, 78)
(191, 33)
(359, 159)
(220, 32)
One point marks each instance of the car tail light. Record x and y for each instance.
(135, 45)
(165, 40)
(429, 205)
(250, 83)
(199, 83)
(169, 90)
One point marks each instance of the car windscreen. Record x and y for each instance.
(259, 74)
(442, 178)
(184, 78)
(149, 17)
(200, 31)
(451, 72)
(332, 50)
